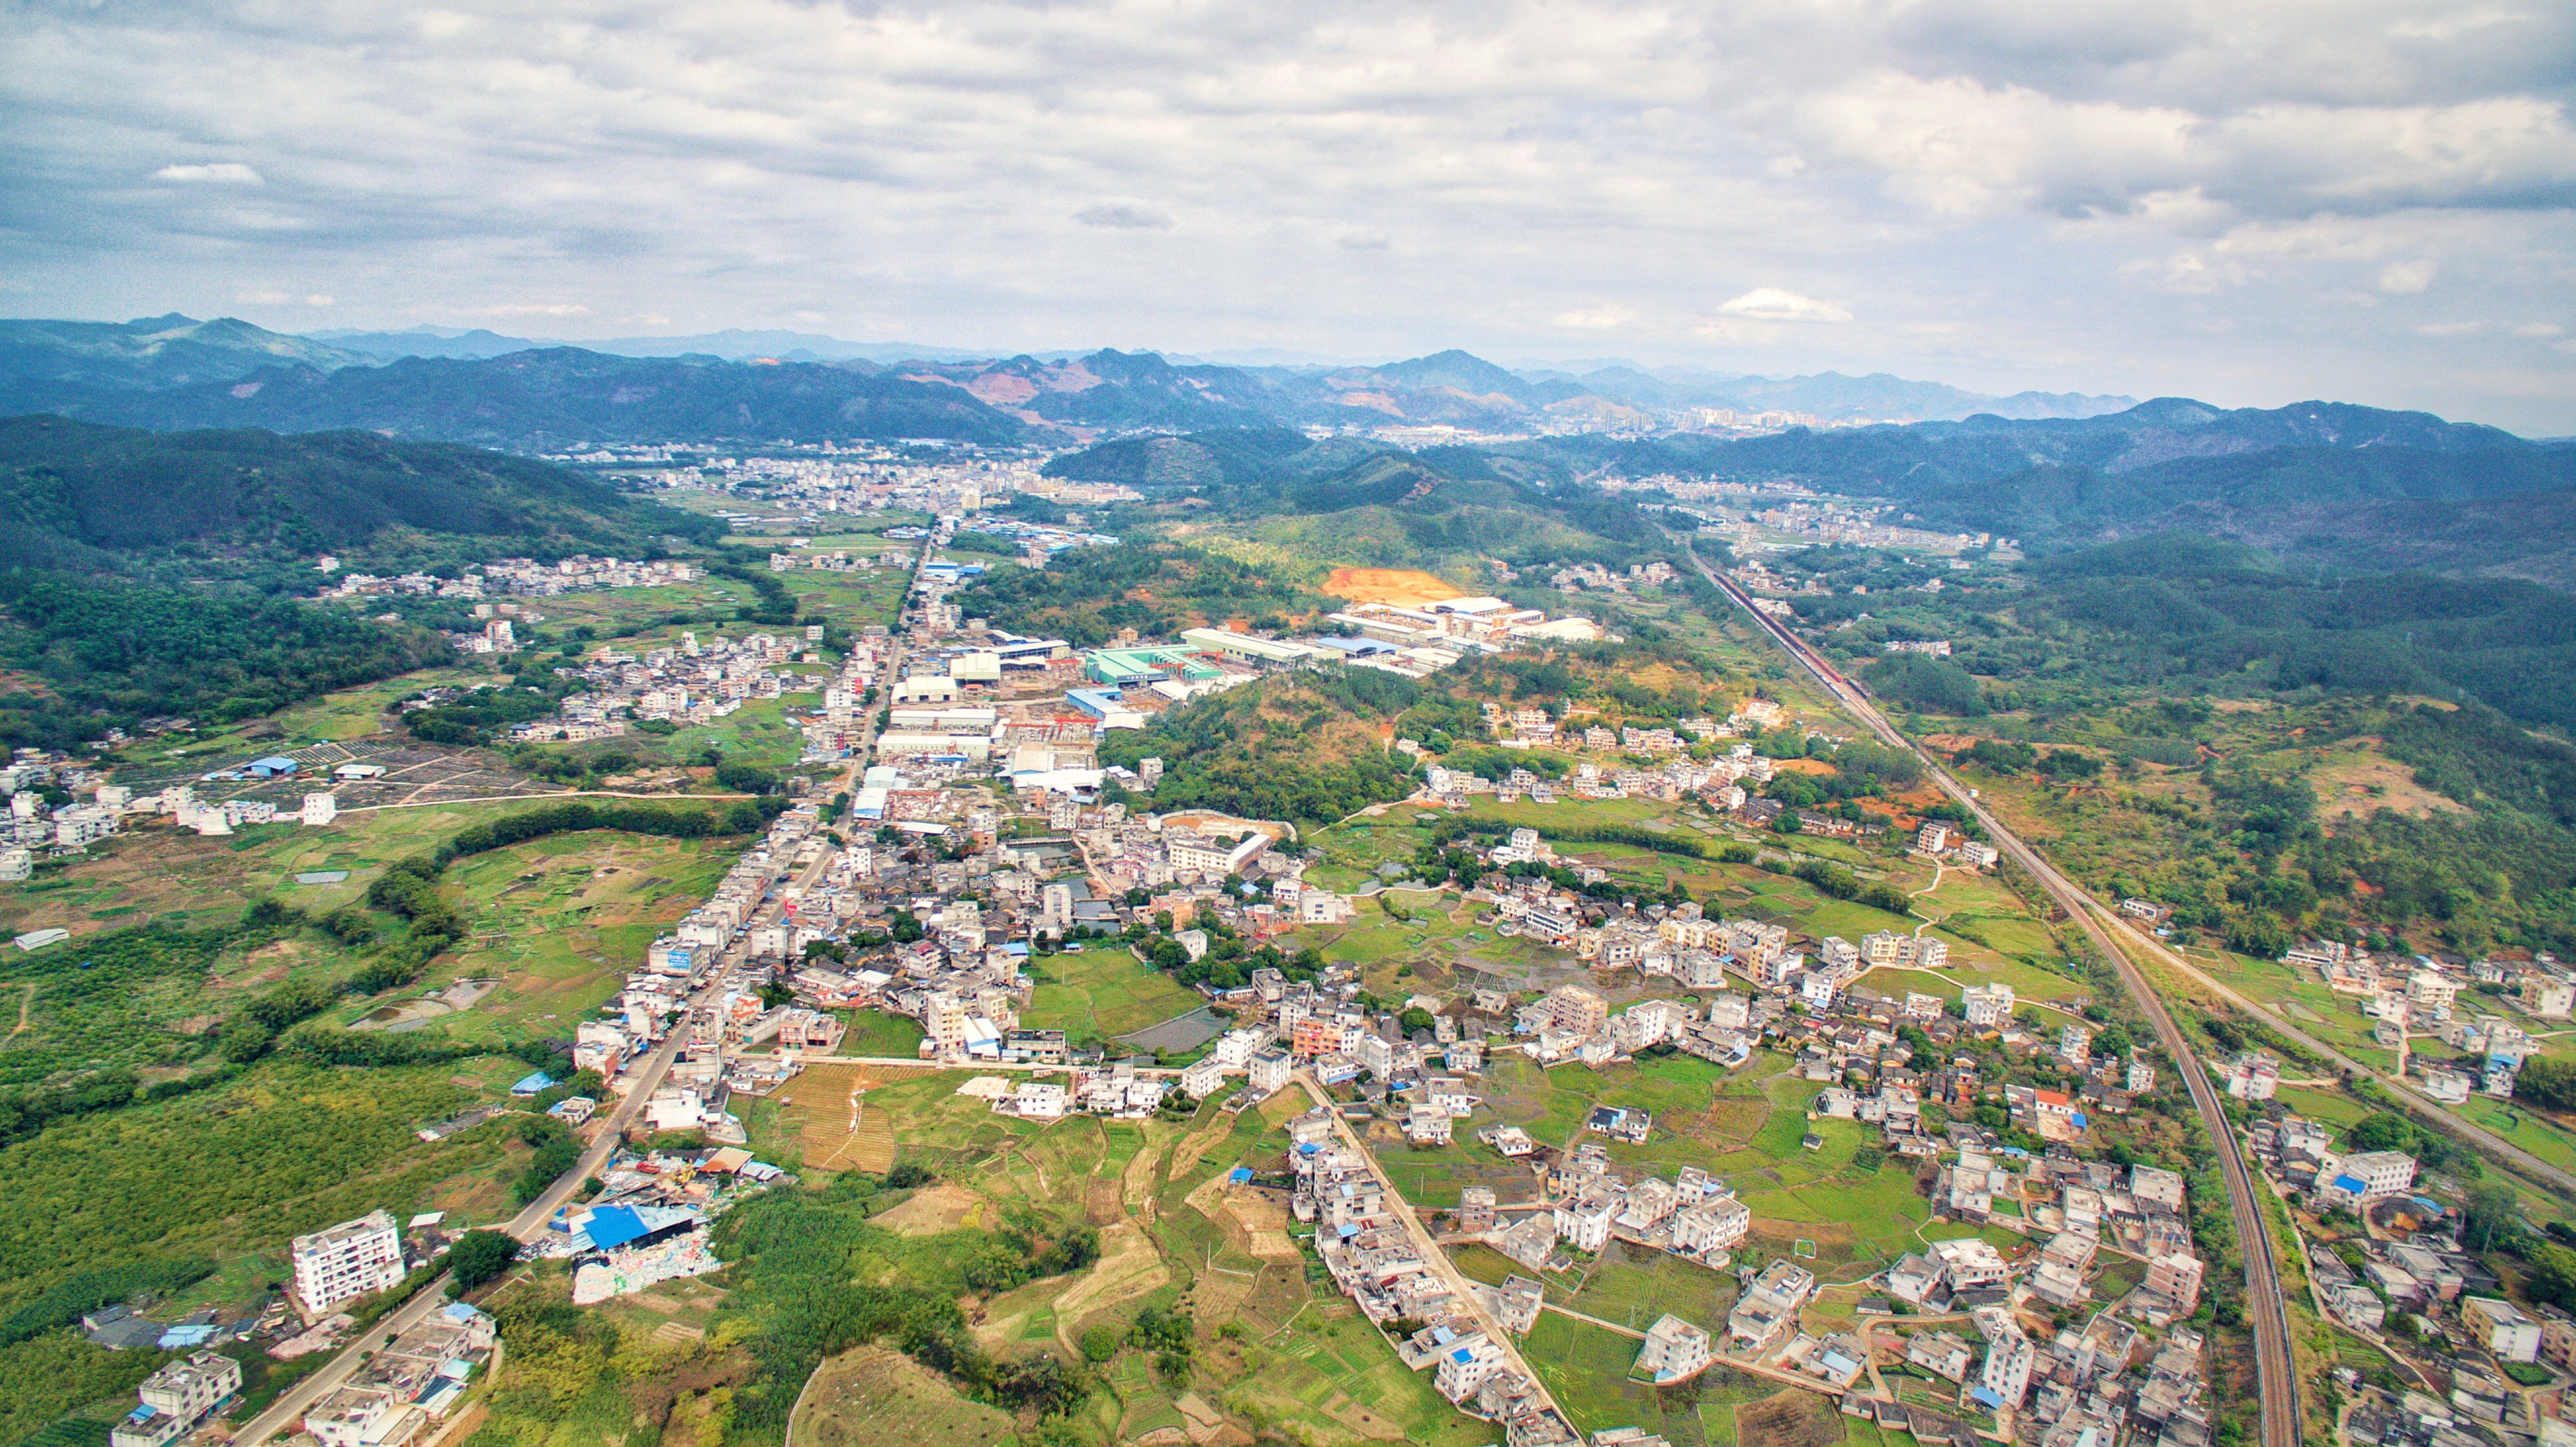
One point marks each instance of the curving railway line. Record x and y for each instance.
(2265, 1306)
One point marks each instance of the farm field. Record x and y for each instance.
(559, 921)
(878, 1397)
(1103, 992)
(158, 872)
(1174, 1235)
(232, 1172)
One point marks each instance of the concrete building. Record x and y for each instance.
(346, 1261)
(1674, 1349)
(176, 1398)
(1987, 1006)
(2502, 1328)
(1576, 1011)
(2355, 1181)
(2176, 1277)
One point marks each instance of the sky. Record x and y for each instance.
(2250, 202)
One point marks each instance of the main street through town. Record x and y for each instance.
(287, 1412)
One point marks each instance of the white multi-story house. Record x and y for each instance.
(1202, 1078)
(1465, 1364)
(1987, 1005)
(346, 1261)
(2357, 1180)
(1271, 1069)
(2503, 1328)
(1674, 1349)
(1584, 1221)
(1712, 1226)
(176, 1398)
(2009, 1360)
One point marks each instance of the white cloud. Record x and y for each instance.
(2164, 196)
(1772, 304)
(2405, 278)
(1594, 319)
(1124, 217)
(216, 173)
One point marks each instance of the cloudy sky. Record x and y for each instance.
(2254, 202)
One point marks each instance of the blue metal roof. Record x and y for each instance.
(614, 1226)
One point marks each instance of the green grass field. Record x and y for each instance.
(1102, 992)
(876, 1033)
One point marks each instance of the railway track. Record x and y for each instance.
(2265, 1306)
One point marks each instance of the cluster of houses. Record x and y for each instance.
(2410, 1283)
(31, 829)
(692, 683)
(409, 1387)
(1576, 577)
(1942, 840)
(872, 480)
(2417, 998)
(1380, 1266)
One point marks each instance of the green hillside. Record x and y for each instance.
(74, 494)
(143, 573)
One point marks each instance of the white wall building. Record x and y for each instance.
(346, 1261)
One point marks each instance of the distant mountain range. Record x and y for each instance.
(2316, 479)
(732, 345)
(74, 367)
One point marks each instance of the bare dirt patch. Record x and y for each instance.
(1400, 586)
(933, 1209)
(1789, 1418)
(2361, 786)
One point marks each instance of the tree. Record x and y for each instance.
(479, 1256)
(2547, 1082)
(1099, 1343)
(2380, 1131)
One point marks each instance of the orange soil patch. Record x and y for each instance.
(1401, 586)
(1802, 766)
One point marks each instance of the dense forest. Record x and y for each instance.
(146, 574)
(73, 494)
(547, 400)
(1305, 747)
(2184, 612)
(86, 655)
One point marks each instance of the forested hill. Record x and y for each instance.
(544, 401)
(140, 572)
(74, 495)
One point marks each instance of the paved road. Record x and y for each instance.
(288, 1410)
(1428, 1246)
(2265, 1306)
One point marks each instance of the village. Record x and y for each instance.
(967, 843)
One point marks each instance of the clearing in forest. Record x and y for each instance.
(1401, 586)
